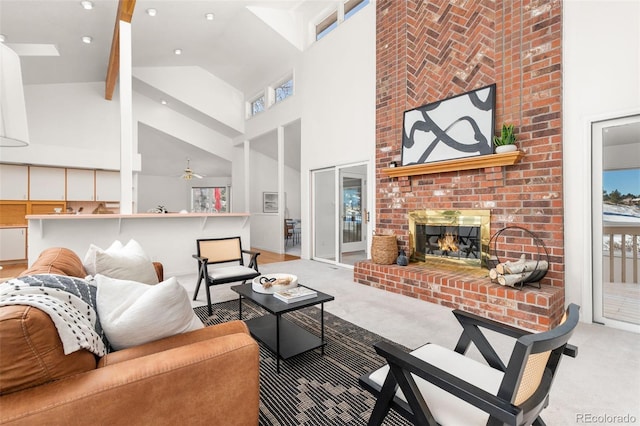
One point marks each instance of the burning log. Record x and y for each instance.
(448, 243)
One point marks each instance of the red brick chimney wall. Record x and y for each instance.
(435, 49)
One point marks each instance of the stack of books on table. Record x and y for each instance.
(295, 294)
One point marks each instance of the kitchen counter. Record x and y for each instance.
(169, 238)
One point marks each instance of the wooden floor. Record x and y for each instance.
(271, 257)
(14, 269)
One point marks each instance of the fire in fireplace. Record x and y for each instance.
(454, 235)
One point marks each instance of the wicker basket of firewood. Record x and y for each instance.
(384, 249)
(517, 257)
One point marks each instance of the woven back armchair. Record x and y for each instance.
(437, 386)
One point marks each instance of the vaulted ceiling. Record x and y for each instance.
(241, 45)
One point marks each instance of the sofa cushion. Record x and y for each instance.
(128, 262)
(57, 260)
(133, 313)
(31, 352)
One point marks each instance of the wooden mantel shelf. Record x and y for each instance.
(468, 163)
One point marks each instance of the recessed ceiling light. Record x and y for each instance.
(86, 4)
(87, 39)
(151, 12)
(163, 102)
(209, 16)
(178, 51)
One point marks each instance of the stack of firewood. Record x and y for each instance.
(512, 273)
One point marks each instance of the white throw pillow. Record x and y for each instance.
(89, 261)
(128, 262)
(133, 313)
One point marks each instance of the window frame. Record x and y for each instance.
(280, 84)
(250, 104)
(343, 11)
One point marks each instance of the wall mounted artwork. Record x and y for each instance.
(270, 202)
(456, 127)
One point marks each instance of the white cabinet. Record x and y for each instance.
(14, 182)
(13, 244)
(107, 185)
(80, 185)
(46, 183)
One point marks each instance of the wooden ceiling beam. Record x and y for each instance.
(125, 13)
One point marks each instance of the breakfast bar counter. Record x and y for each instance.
(169, 238)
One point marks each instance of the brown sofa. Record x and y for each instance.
(205, 376)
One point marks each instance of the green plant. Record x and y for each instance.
(507, 137)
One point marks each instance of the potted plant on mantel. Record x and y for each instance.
(506, 142)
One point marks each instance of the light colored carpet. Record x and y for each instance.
(604, 380)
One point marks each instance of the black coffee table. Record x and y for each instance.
(281, 336)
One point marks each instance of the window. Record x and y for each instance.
(257, 105)
(284, 90)
(210, 199)
(345, 10)
(327, 25)
(353, 6)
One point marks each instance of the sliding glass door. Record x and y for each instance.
(324, 214)
(616, 222)
(340, 214)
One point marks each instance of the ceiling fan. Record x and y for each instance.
(190, 174)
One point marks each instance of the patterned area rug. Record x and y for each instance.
(312, 389)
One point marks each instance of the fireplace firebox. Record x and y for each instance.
(452, 235)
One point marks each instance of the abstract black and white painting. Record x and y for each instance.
(457, 127)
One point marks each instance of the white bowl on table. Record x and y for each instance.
(259, 284)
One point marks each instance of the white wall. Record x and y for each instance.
(338, 85)
(181, 127)
(70, 125)
(601, 69)
(334, 85)
(200, 90)
(293, 190)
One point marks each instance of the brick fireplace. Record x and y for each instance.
(432, 50)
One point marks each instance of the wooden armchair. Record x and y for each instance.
(437, 386)
(226, 254)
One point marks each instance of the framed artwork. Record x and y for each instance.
(456, 127)
(210, 199)
(270, 202)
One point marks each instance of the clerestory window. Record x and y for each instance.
(345, 11)
(283, 90)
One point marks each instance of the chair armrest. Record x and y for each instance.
(210, 381)
(471, 332)
(403, 364)
(253, 263)
(570, 350)
(200, 259)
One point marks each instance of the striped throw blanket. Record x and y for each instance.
(69, 301)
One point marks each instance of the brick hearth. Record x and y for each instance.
(467, 288)
(429, 51)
